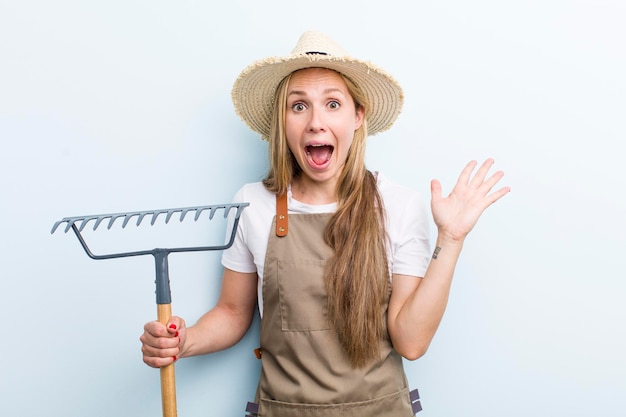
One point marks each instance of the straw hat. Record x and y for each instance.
(254, 90)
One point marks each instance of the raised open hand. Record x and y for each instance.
(457, 214)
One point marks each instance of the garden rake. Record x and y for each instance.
(163, 292)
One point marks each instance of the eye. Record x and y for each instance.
(298, 107)
(334, 105)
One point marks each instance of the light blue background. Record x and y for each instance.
(125, 105)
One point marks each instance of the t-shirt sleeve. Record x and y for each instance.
(410, 235)
(238, 257)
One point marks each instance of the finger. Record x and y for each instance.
(155, 329)
(151, 352)
(167, 342)
(155, 335)
(466, 173)
(161, 348)
(495, 196)
(490, 182)
(158, 362)
(174, 325)
(160, 351)
(435, 190)
(481, 174)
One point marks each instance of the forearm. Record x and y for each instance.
(218, 329)
(413, 326)
(228, 321)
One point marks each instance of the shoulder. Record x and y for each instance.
(257, 196)
(406, 210)
(396, 196)
(254, 191)
(261, 203)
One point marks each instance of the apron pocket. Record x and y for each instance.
(302, 294)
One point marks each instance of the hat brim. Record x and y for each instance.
(254, 90)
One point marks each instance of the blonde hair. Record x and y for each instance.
(357, 275)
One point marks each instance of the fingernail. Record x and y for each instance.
(174, 358)
(172, 326)
(176, 334)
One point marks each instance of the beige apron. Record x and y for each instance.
(305, 372)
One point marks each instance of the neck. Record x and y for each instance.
(311, 192)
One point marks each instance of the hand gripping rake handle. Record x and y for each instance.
(163, 292)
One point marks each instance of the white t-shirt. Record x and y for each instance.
(407, 227)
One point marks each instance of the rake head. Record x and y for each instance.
(125, 218)
(162, 281)
(78, 223)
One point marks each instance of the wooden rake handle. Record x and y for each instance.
(168, 378)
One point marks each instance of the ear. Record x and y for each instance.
(358, 117)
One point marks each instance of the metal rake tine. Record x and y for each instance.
(155, 215)
(214, 209)
(57, 224)
(141, 216)
(85, 220)
(70, 223)
(201, 209)
(239, 208)
(98, 221)
(114, 217)
(170, 213)
(184, 213)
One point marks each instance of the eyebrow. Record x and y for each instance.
(326, 91)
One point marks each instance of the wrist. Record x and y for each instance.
(446, 245)
(448, 239)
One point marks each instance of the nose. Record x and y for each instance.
(316, 120)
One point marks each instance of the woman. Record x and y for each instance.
(337, 256)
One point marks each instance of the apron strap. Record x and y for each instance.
(415, 401)
(282, 221)
(252, 410)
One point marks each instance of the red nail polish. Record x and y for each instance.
(172, 326)
(176, 334)
(174, 358)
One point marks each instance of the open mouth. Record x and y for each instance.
(320, 154)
